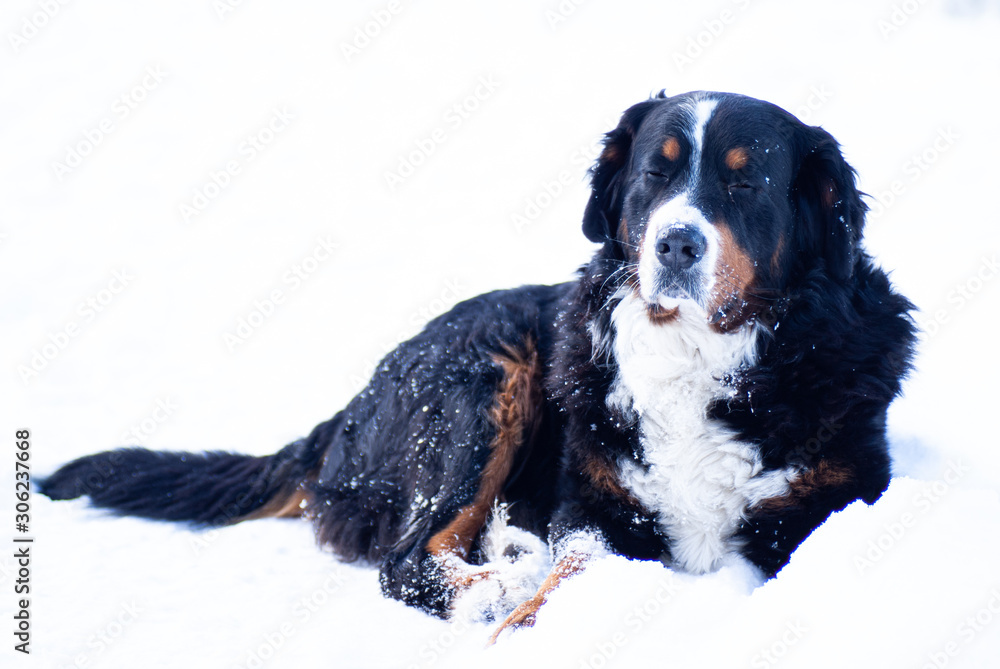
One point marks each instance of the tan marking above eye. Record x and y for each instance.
(736, 158)
(671, 149)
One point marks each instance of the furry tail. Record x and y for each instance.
(214, 488)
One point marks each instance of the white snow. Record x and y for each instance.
(253, 209)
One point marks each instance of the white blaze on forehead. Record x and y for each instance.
(702, 114)
(703, 111)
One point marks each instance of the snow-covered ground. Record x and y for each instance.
(175, 175)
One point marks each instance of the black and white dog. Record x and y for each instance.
(714, 384)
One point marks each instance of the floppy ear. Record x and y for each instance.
(831, 212)
(600, 219)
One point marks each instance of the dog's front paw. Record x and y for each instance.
(523, 616)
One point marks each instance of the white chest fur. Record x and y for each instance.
(696, 478)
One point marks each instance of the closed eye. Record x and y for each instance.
(656, 175)
(741, 187)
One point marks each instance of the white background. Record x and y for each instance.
(149, 362)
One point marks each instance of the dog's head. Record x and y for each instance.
(712, 201)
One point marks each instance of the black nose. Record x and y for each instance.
(680, 248)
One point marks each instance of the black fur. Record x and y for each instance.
(207, 489)
(392, 469)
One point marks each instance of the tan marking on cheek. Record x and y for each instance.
(671, 149)
(730, 306)
(633, 252)
(623, 234)
(737, 158)
(776, 256)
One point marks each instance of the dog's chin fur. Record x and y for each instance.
(696, 476)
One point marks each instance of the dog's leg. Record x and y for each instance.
(578, 530)
(450, 547)
(514, 415)
(435, 568)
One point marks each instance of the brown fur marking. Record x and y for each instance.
(671, 149)
(293, 506)
(515, 416)
(610, 154)
(737, 158)
(825, 474)
(829, 194)
(660, 316)
(776, 256)
(603, 478)
(734, 274)
(284, 505)
(623, 238)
